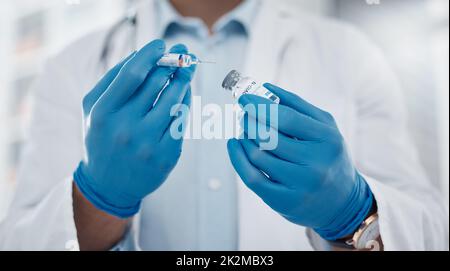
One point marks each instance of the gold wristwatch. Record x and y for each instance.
(367, 237)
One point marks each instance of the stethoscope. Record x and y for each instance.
(130, 19)
(171, 60)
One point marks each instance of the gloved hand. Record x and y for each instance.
(309, 177)
(129, 150)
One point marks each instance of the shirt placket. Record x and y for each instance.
(215, 199)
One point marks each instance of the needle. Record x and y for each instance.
(198, 61)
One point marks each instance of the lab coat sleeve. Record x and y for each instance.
(41, 214)
(412, 213)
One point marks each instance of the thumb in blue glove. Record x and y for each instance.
(129, 151)
(308, 178)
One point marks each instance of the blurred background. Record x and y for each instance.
(414, 34)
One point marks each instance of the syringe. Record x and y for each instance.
(180, 61)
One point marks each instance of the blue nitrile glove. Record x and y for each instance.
(129, 150)
(309, 177)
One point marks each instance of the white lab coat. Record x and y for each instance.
(327, 63)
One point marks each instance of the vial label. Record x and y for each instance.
(249, 86)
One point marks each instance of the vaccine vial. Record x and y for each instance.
(240, 85)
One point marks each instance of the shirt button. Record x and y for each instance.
(214, 184)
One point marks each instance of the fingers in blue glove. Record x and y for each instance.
(159, 117)
(174, 142)
(287, 120)
(270, 164)
(131, 76)
(91, 98)
(252, 176)
(293, 101)
(287, 148)
(148, 92)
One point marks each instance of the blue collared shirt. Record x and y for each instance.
(196, 208)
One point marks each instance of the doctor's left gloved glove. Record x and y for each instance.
(308, 177)
(129, 151)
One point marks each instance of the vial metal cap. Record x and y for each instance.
(231, 79)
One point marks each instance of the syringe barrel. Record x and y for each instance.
(175, 60)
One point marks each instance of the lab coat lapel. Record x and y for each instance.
(261, 228)
(145, 32)
(267, 39)
(146, 29)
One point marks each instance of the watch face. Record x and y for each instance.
(368, 239)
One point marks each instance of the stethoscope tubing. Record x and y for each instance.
(129, 19)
